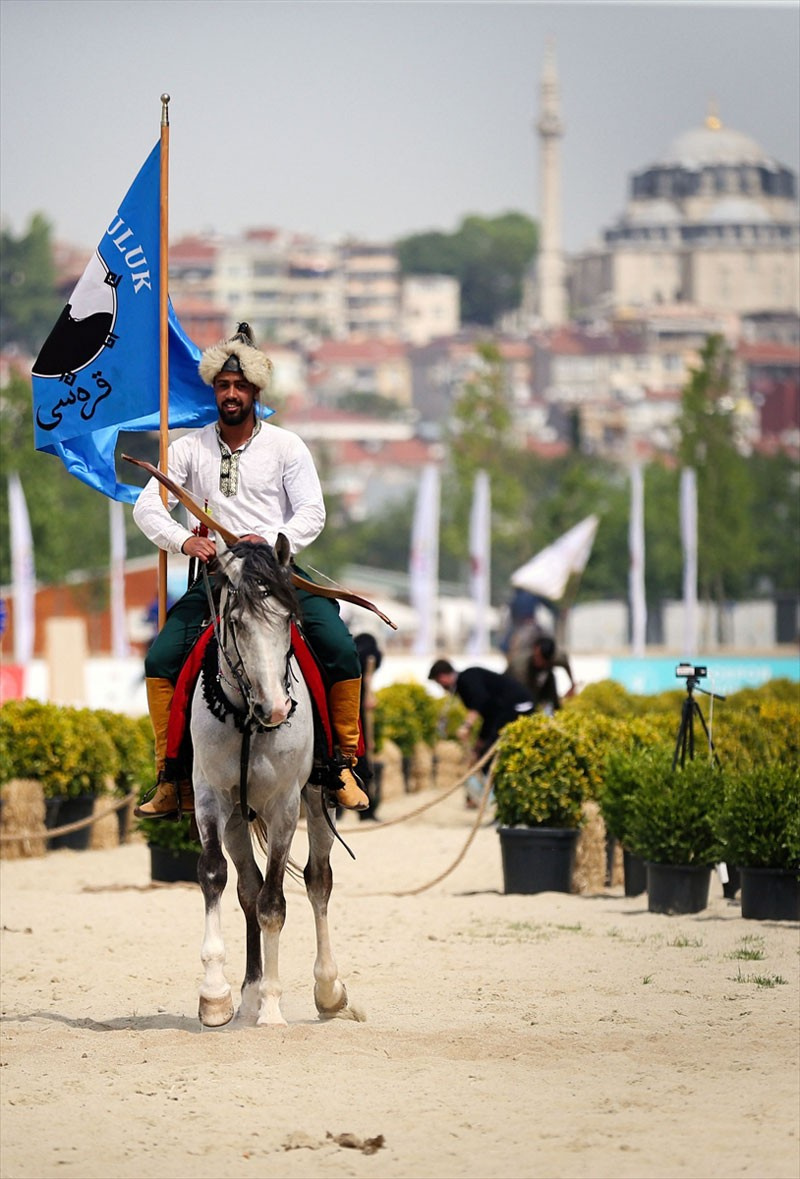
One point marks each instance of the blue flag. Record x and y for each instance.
(98, 371)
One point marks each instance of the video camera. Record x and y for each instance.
(685, 671)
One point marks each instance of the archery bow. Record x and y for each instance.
(231, 538)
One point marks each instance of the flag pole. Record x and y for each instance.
(163, 335)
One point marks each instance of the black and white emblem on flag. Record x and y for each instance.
(86, 325)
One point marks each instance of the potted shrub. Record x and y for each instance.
(541, 775)
(174, 848)
(68, 751)
(672, 825)
(619, 775)
(759, 827)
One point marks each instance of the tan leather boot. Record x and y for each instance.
(169, 800)
(344, 700)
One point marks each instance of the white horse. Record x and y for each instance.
(253, 692)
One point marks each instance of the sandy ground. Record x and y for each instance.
(551, 1035)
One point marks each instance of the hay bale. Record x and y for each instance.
(420, 775)
(23, 812)
(590, 852)
(105, 831)
(452, 759)
(393, 783)
(618, 865)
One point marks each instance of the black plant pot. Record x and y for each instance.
(537, 859)
(73, 810)
(51, 808)
(635, 872)
(170, 866)
(677, 888)
(770, 894)
(124, 822)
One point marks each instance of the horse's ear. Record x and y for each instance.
(230, 565)
(283, 550)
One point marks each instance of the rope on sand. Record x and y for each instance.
(487, 790)
(52, 832)
(426, 806)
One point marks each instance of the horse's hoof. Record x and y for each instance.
(215, 1013)
(331, 1010)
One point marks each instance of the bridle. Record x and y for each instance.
(248, 719)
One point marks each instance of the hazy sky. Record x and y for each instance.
(373, 119)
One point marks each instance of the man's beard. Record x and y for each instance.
(235, 417)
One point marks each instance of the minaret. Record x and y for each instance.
(551, 296)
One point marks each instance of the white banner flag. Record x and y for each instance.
(424, 563)
(638, 600)
(480, 563)
(689, 542)
(119, 629)
(22, 571)
(549, 571)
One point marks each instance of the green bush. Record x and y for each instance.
(175, 835)
(133, 741)
(759, 821)
(605, 696)
(450, 716)
(619, 772)
(405, 714)
(672, 817)
(66, 749)
(542, 774)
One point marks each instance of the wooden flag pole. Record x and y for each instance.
(163, 336)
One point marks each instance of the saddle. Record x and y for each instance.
(204, 653)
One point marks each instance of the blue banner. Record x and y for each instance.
(99, 370)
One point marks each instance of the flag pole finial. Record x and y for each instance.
(164, 110)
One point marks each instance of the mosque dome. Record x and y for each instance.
(711, 145)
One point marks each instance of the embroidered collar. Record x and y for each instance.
(229, 461)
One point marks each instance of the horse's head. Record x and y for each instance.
(257, 605)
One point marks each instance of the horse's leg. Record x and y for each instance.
(330, 994)
(216, 1005)
(272, 910)
(239, 844)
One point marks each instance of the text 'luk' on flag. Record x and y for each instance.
(99, 369)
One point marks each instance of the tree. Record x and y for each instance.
(707, 432)
(480, 438)
(30, 304)
(489, 257)
(775, 522)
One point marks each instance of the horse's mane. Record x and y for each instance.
(261, 570)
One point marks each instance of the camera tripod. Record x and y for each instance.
(689, 711)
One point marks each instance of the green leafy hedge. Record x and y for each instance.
(543, 772)
(68, 750)
(405, 714)
(759, 820)
(673, 814)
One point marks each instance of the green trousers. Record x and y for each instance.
(327, 635)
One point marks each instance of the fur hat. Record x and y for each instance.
(239, 354)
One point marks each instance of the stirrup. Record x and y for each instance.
(180, 804)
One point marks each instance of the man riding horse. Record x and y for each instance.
(258, 480)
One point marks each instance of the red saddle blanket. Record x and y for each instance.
(184, 690)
